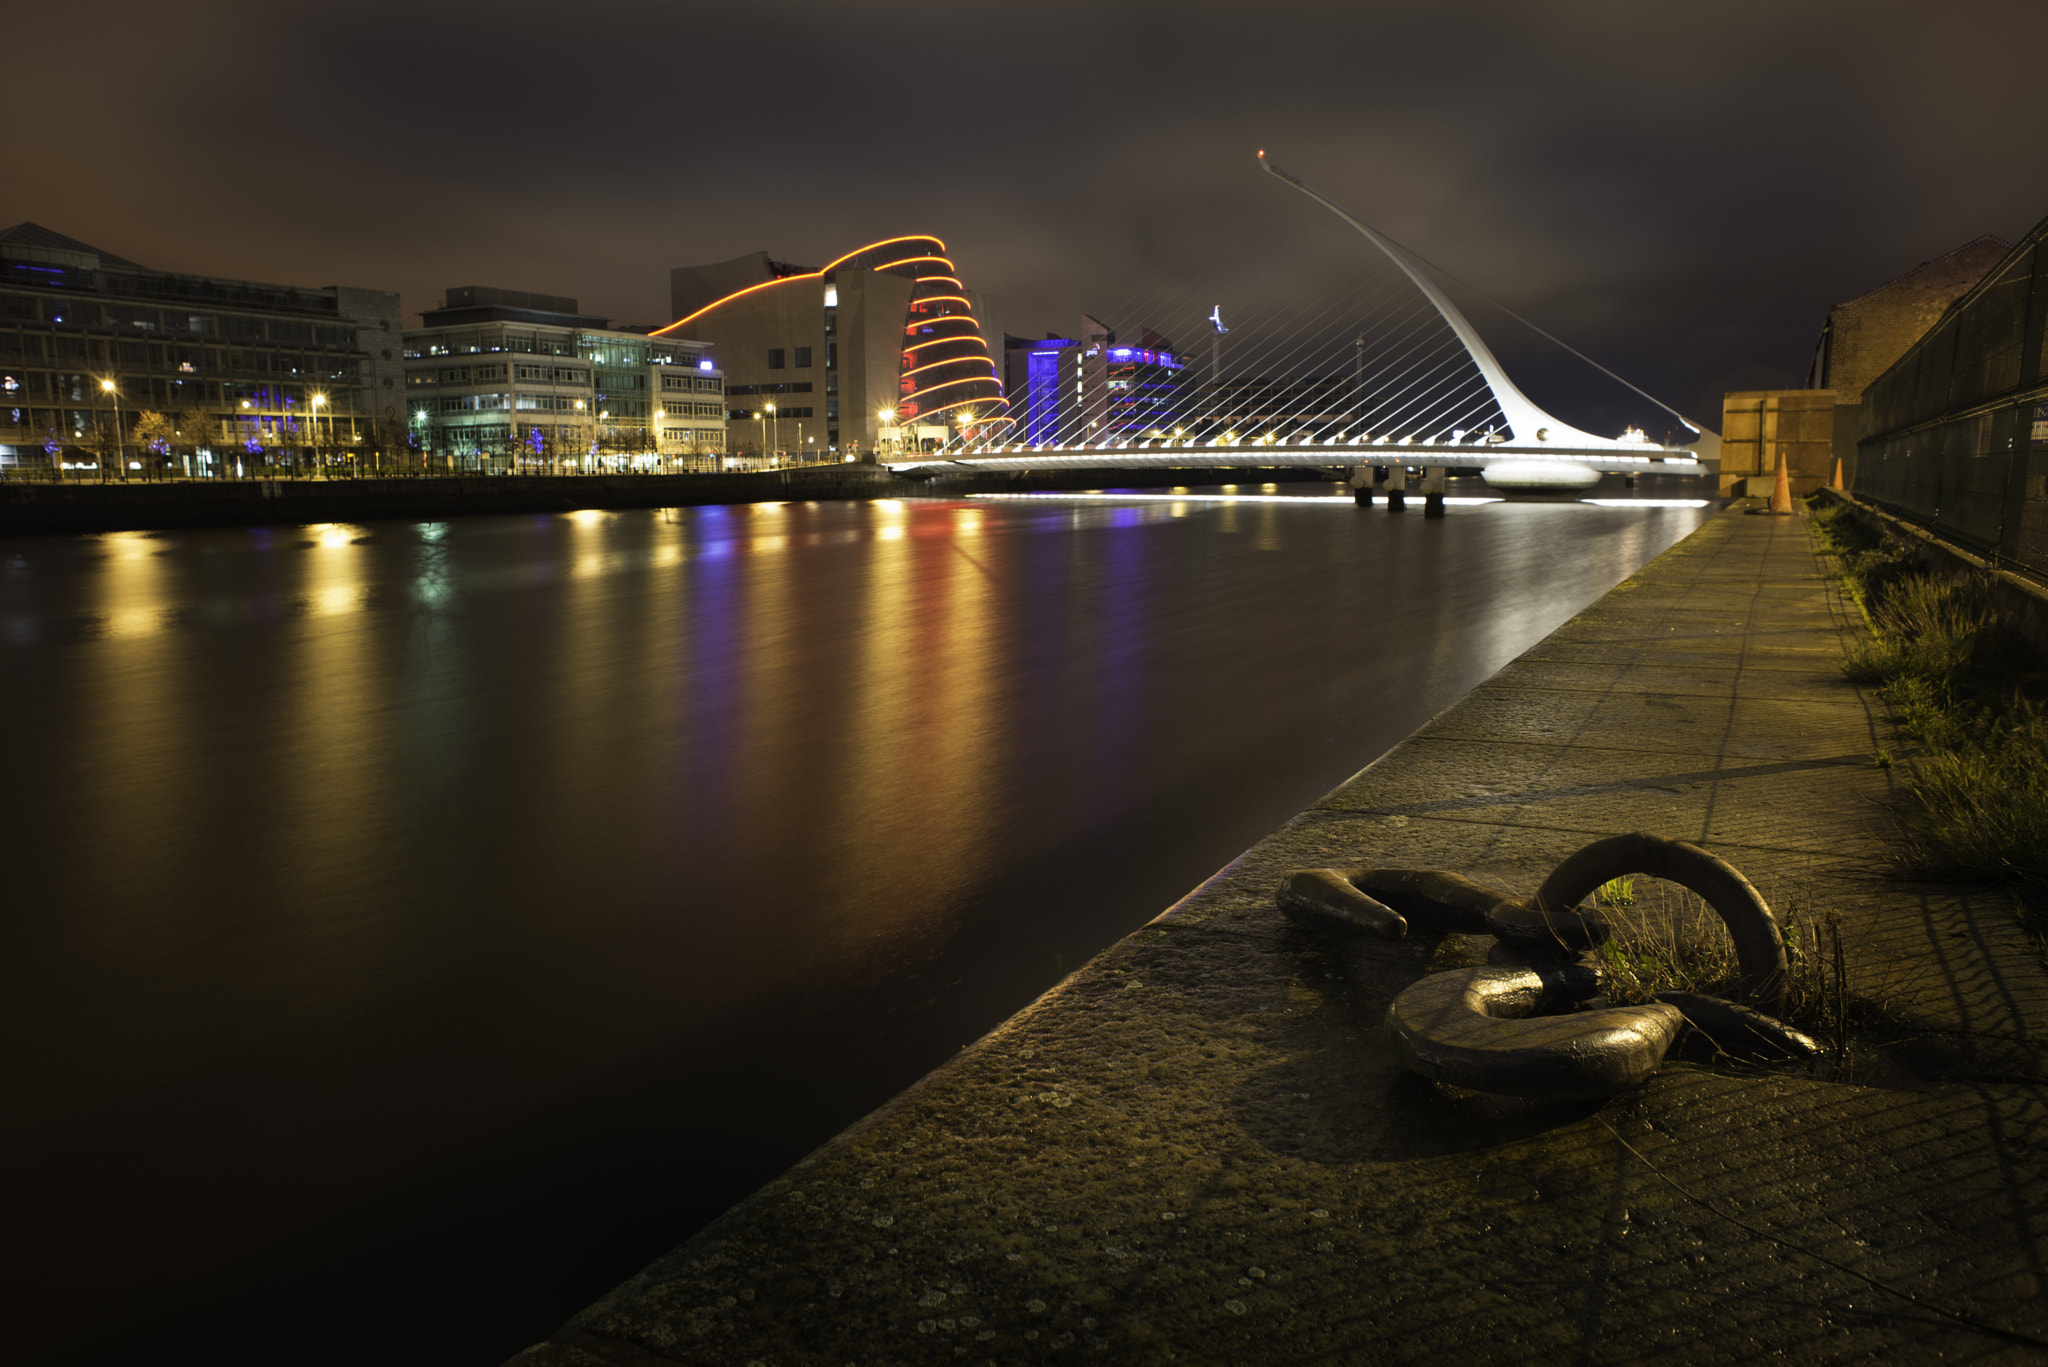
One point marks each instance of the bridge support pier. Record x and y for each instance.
(1361, 485)
(1433, 490)
(1397, 488)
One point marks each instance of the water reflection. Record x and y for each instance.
(363, 876)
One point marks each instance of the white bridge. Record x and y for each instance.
(1535, 452)
(1536, 466)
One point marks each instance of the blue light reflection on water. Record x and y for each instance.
(362, 877)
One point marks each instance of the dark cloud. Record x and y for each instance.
(1678, 190)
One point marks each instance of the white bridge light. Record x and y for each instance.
(1538, 476)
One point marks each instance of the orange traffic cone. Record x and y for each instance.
(1836, 482)
(1781, 492)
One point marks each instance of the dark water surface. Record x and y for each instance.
(412, 928)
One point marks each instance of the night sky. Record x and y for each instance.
(1680, 191)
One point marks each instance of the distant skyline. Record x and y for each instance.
(1678, 192)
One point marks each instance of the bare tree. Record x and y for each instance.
(99, 439)
(153, 432)
(196, 430)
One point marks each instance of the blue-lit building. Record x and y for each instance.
(1092, 388)
(1143, 385)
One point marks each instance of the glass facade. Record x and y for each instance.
(206, 372)
(1041, 399)
(948, 374)
(1955, 433)
(1144, 390)
(614, 400)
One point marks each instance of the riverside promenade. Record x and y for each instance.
(1197, 1149)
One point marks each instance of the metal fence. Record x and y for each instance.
(1955, 434)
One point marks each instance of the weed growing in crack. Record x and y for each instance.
(1670, 940)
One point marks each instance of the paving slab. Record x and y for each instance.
(1199, 1149)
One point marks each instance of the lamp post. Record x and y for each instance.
(771, 430)
(593, 435)
(120, 441)
(660, 416)
(313, 404)
(886, 437)
(423, 432)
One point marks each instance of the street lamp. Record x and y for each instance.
(313, 427)
(660, 416)
(120, 441)
(771, 429)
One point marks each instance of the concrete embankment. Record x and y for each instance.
(27, 506)
(1199, 1149)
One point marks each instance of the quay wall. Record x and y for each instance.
(155, 506)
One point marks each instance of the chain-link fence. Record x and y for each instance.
(1955, 434)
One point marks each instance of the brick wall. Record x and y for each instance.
(1864, 336)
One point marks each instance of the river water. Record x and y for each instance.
(413, 928)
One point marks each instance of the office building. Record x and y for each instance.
(186, 373)
(1092, 388)
(504, 379)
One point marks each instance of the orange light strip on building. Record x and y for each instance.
(923, 390)
(909, 260)
(944, 299)
(914, 237)
(991, 417)
(951, 280)
(765, 284)
(948, 341)
(955, 360)
(808, 275)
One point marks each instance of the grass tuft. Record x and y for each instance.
(1674, 942)
(1967, 688)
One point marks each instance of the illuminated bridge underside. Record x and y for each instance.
(1332, 455)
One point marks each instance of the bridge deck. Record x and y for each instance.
(1331, 455)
